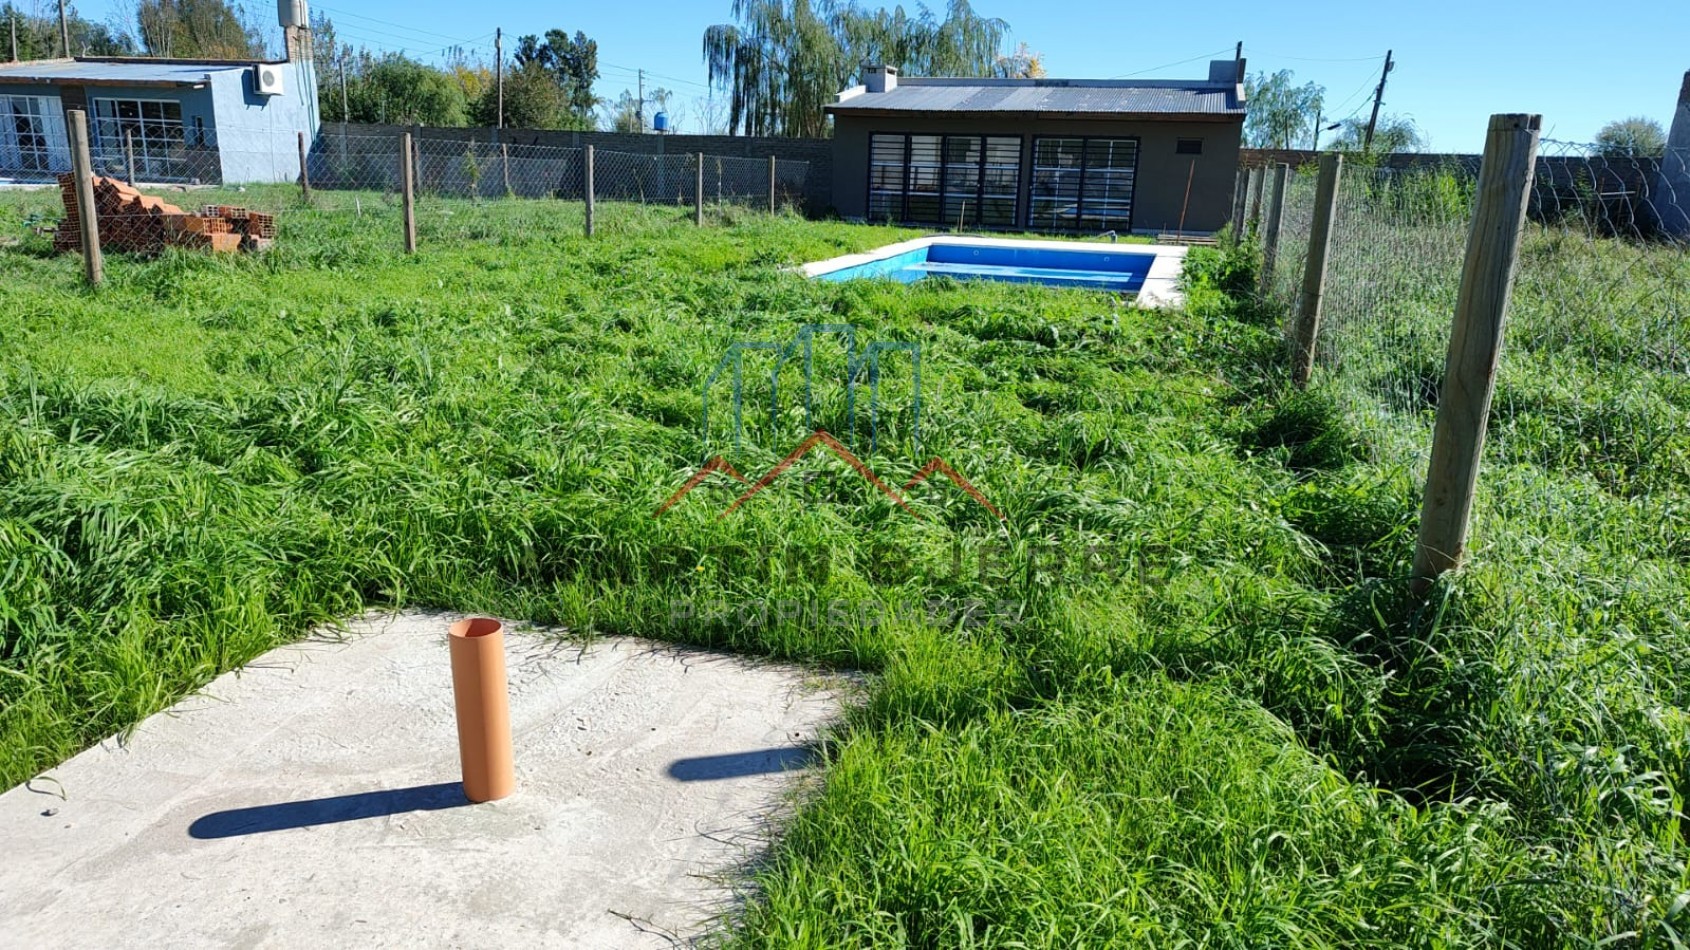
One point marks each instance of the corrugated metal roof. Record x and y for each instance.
(1061, 96)
(140, 72)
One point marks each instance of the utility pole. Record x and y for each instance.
(1317, 118)
(1378, 95)
(64, 29)
(14, 22)
(499, 69)
(639, 108)
(345, 109)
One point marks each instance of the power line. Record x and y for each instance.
(1170, 65)
(1320, 59)
(1351, 97)
(635, 72)
(401, 26)
(407, 46)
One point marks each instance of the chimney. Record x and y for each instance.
(1226, 70)
(880, 78)
(295, 19)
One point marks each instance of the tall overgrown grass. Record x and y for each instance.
(1178, 695)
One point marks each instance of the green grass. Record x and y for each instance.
(1220, 720)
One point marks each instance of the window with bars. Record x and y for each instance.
(1082, 184)
(967, 180)
(151, 127)
(32, 135)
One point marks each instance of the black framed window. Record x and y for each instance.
(1082, 184)
(944, 180)
(1188, 146)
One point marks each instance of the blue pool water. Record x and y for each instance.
(1058, 267)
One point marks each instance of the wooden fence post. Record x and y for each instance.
(505, 159)
(1275, 221)
(698, 193)
(1475, 343)
(1306, 334)
(304, 171)
(587, 184)
(129, 156)
(408, 185)
(87, 220)
(1258, 183)
(771, 184)
(1239, 187)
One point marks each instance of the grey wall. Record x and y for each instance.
(1158, 195)
(257, 136)
(378, 139)
(1672, 186)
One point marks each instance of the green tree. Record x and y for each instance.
(533, 100)
(572, 61)
(1280, 113)
(38, 36)
(1635, 137)
(1393, 133)
(197, 29)
(397, 89)
(782, 61)
(624, 115)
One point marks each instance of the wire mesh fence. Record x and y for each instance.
(1594, 376)
(228, 196)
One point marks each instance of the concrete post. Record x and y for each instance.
(1672, 186)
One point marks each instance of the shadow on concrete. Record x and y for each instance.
(327, 811)
(709, 768)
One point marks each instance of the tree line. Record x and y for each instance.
(1285, 114)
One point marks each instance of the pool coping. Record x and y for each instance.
(1161, 283)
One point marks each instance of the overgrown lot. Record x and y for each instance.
(1177, 695)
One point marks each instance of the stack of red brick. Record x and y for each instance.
(131, 221)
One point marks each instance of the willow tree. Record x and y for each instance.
(781, 61)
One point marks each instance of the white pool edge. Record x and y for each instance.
(1161, 284)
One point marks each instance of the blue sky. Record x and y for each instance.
(1457, 62)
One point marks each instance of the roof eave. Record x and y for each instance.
(71, 81)
(1237, 116)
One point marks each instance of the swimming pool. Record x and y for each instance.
(1147, 271)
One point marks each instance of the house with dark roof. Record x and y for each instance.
(1074, 155)
(171, 120)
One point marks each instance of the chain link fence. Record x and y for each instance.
(204, 194)
(1595, 369)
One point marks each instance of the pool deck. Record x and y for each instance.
(1161, 284)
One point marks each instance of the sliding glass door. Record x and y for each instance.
(944, 180)
(1082, 184)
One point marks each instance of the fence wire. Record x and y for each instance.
(203, 194)
(1595, 369)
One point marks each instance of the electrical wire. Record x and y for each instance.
(1318, 59)
(1170, 65)
(389, 23)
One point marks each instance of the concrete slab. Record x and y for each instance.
(311, 799)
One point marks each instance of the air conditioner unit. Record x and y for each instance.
(267, 79)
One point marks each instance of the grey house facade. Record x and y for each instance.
(177, 120)
(1040, 154)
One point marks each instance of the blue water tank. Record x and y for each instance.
(660, 122)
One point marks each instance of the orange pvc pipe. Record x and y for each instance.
(484, 709)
